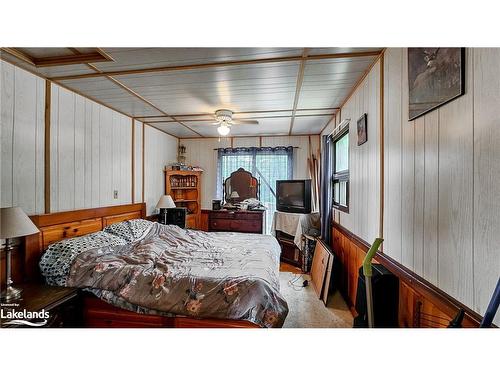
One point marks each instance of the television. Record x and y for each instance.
(293, 196)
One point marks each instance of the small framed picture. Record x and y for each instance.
(362, 132)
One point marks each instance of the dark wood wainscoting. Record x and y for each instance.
(421, 304)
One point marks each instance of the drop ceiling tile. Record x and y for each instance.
(140, 58)
(175, 129)
(309, 125)
(265, 127)
(111, 94)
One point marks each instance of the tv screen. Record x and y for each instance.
(293, 196)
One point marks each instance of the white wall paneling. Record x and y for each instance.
(392, 152)
(486, 205)
(22, 139)
(160, 150)
(456, 193)
(441, 208)
(91, 153)
(138, 161)
(364, 160)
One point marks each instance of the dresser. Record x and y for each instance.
(244, 221)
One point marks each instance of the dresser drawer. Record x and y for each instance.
(245, 226)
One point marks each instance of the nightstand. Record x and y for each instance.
(62, 306)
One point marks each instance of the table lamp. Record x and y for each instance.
(13, 223)
(164, 204)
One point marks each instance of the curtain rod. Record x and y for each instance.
(223, 148)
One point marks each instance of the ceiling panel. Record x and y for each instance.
(48, 71)
(242, 88)
(265, 127)
(310, 112)
(38, 52)
(140, 58)
(109, 93)
(309, 125)
(262, 88)
(175, 129)
(328, 82)
(328, 50)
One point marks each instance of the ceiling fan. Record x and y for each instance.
(224, 118)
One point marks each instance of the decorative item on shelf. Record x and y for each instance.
(181, 154)
(164, 204)
(14, 223)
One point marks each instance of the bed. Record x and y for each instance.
(136, 273)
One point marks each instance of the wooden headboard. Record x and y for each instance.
(60, 225)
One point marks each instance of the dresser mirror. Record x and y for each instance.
(240, 185)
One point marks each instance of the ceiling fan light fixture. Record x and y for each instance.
(223, 129)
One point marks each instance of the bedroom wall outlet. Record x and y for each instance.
(115, 194)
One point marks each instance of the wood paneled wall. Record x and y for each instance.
(161, 150)
(201, 152)
(22, 139)
(90, 149)
(138, 130)
(441, 181)
(364, 160)
(441, 176)
(91, 153)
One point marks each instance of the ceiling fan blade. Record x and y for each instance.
(244, 122)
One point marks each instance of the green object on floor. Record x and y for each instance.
(367, 262)
(367, 271)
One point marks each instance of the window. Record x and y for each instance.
(340, 177)
(267, 164)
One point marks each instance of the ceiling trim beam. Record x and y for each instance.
(381, 53)
(132, 92)
(218, 64)
(241, 118)
(40, 62)
(298, 87)
(241, 113)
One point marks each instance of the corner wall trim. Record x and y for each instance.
(133, 161)
(143, 153)
(46, 152)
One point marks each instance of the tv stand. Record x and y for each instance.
(290, 253)
(289, 229)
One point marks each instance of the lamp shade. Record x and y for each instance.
(165, 201)
(234, 194)
(15, 223)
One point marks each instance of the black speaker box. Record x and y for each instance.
(176, 216)
(385, 290)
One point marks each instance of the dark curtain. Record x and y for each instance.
(326, 189)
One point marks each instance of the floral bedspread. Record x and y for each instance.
(185, 272)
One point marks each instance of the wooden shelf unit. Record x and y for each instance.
(185, 189)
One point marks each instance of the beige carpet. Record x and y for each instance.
(306, 310)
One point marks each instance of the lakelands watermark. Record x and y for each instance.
(10, 316)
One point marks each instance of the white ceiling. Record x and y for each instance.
(267, 90)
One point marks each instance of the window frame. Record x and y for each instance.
(341, 176)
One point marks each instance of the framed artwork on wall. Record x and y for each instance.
(435, 77)
(362, 129)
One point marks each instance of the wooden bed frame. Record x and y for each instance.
(97, 313)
